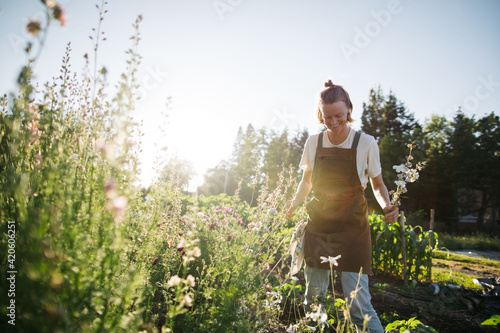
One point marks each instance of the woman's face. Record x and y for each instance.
(335, 116)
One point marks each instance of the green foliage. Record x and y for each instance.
(477, 241)
(66, 178)
(387, 247)
(494, 321)
(258, 158)
(385, 116)
(412, 324)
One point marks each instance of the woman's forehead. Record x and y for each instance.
(334, 108)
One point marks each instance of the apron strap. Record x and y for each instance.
(356, 140)
(320, 140)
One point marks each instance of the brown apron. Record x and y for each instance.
(338, 215)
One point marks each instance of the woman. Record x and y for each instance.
(337, 165)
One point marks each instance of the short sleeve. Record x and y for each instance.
(374, 167)
(306, 163)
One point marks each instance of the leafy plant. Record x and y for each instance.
(387, 249)
(494, 321)
(412, 324)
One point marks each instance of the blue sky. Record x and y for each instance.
(227, 63)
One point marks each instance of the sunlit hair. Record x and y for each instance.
(331, 94)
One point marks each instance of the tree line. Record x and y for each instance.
(462, 156)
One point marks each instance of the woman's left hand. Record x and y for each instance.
(391, 214)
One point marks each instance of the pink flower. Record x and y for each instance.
(267, 287)
(229, 238)
(155, 261)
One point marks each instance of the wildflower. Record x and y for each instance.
(50, 3)
(212, 226)
(196, 252)
(400, 183)
(190, 281)
(117, 206)
(229, 238)
(294, 278)
(38, 160)
(201, 214)
(400, 168)
(405, 175)
(319, 316)
(267, 287)
(366, 319)
(59, 15)
(110, 189)
(155, 260)
(273, 211)
(174, 281)
(187, 300)
(354, 293)
(33, 27)
(331, 260)
(292, 328)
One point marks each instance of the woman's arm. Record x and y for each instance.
(303, 190)
(382, 195)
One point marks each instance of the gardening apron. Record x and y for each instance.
(338, 215)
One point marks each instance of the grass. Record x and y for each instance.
(451, 268)
(465, 259)
(446, 276)
(477, 241)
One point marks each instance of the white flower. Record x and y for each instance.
(190, 281)
(292, 328)
(331, 260)
(174, 281)
(294, 278)
(319, 316)
(400, 168)
(400, 183)
(188, 301)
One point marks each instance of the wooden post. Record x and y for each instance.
(431, 227)
(432, 220)
(403, 238)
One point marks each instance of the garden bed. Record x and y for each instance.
(455, 311)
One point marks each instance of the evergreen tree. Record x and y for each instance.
(384, 116)
(276, 156)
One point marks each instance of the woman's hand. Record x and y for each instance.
(391, 214)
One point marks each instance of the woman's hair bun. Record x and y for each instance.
(329, 84)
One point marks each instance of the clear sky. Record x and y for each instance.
(227, 63)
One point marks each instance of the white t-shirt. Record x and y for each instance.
(367, 155)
